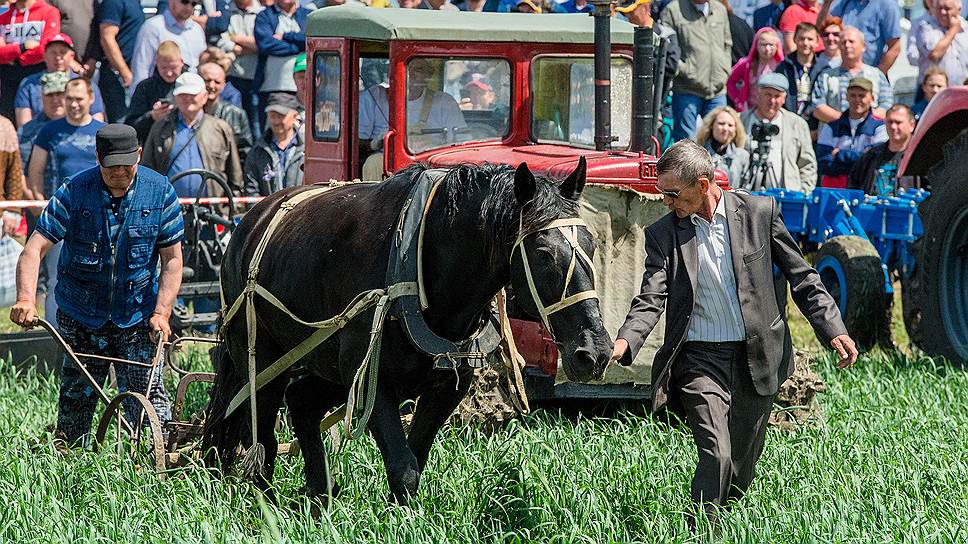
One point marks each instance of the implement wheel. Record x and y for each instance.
(850, 269)
(936, 308)
(151, 438)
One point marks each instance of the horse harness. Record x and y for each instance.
(404, 298)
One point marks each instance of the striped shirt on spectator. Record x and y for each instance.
(716, 314)
(56, 217)
(831, 88)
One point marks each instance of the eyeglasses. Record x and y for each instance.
(828, 34)
(190, 2)
(675, 194)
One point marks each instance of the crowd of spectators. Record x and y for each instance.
(782, 93)
(810, 104)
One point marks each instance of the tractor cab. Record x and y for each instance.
(396, 87)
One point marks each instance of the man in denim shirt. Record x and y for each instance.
(117, 220)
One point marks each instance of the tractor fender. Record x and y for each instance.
(945, 117)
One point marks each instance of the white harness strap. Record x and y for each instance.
(568, 229)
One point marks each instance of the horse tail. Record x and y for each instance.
(222, 435)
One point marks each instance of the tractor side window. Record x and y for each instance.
(325, 109)
(569, 116)
(454, 100)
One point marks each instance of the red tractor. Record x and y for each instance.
(394, 87)
(935, 292)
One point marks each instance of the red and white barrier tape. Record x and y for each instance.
(204, 200)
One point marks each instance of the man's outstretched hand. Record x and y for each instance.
(845, 349)
(621, 346)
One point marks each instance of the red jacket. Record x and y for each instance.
(38, 22)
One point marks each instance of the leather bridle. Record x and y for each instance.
(568, 229)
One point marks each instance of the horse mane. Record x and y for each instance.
(490, 189)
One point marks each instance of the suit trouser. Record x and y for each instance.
(728, 418)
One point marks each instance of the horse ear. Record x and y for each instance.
(524, 184)
(574, 184)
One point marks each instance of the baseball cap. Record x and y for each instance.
(60, 37)
(773, 80)
(282, 103)
(189, 83)
(54, 82)
(480, 82)
(300, 65)
(627, 6)
(533, 5)
(861, 82)
(117, 145)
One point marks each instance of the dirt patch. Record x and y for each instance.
(488, 404)
(796, 402)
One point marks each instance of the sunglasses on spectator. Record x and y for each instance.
(192, 2)
(825, 33)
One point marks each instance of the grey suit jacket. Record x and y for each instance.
(758, 240)
(799, 160)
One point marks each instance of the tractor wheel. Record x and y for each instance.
(850, 269)
(936, 309)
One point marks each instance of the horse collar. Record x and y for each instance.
(404, 266)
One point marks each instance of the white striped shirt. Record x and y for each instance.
(716, 315)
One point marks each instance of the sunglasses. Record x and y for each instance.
(675, 194)
(190, 2)
(835, 34)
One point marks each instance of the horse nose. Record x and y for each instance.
(588, 365)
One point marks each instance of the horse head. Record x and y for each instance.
(553, 277)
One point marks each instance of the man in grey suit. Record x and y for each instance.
(727, 346)
(791, 162)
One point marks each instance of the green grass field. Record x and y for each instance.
(887, 464)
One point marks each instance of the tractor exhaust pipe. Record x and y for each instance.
(603, 74)
(643, 85)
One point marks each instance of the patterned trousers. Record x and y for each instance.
(75, 407)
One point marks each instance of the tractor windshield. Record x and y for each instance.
(454, 100)
(563, 104)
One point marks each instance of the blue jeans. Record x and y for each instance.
(685, 108)
(113, 93)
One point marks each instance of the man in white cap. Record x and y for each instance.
(190, 138)
(779, 141)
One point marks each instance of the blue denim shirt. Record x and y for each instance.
(108, 265)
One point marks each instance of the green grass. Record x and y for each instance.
(888, 464)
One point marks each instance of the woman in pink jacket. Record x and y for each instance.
(765, 54)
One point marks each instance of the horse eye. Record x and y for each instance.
(545, 254)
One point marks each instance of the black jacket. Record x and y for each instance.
(261, 170)
(758, 241)
(791, 69)
(239, 121)
(145, 95)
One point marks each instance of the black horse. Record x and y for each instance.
(336, 247)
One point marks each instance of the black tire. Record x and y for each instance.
(850, 269)
(936, 308)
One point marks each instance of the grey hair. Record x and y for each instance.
(687, 161)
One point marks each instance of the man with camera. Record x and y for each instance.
(781, 154)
